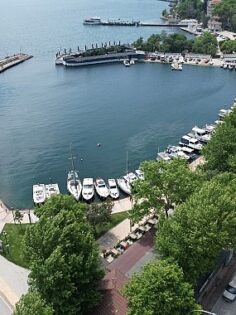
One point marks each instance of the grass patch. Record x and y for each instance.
(16, 232)
(14, 237)
(116, 218)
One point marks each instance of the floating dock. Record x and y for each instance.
(12, 61)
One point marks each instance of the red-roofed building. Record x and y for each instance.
(113, 302)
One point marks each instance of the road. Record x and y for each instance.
(224, 308)
(4, 308)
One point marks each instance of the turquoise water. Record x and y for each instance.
(44, 108)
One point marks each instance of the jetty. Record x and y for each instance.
(11, 61)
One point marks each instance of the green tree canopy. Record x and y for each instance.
(32, 304)
(205, 44)
(228, 46)
(190, 9)
(226, 10)
(201, 227)
(159, 289)
(166, 184)
(63, 256)
(220, 152)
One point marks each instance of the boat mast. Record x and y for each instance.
(73, 164)
(127, 162)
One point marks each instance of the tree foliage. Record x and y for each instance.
(166, 184)
(63, 256)
(220, 152)
(99, 213)
(32, 304)
(205, 44)
(201, 227)
(190, 9)
(159, 289)
(226, 10)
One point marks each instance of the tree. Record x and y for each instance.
(228, 46)
(159, 289)
(99, 213)
(220, 152)
(205, 44)
(166, 184)
(64, 258)
(32, 303)
(18, 216)
(200, 228)
(226, 10)
(190, 9)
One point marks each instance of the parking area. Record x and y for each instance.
(224, 308)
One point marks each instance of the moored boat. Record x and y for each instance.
(190, 142)
(92, 21)
(126, 62)
(88, 189)
(139, 174)
(52, 189)
(176, 66)
(74, 184)
(113, 189)
(130, 178)
(101, 188)
(124, 186)
(39, 194)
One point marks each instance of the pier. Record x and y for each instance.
(12, 61)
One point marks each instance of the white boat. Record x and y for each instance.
(163, 156)
(201, 134)
(130, 178)
(101, 188)
(139, 174)
(52, 189)
(39, 194)
(190, 142)
(124, 186)
(225, 66)
(88, 189)
(74, 184)
(113, 189)
(224, 112)
(176, 66)
(92, 21)
(132, 62)
(126, 62)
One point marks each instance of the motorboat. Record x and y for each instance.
(225, 66)
(88, 189)
(113, 189)
(39, 194)
(74, 186)
(130, 178)
(163, 156)
(132, 62)
(176, 152)
(52, 189)
(176, 66)
(92, 21)
(124, 186)
(201, 134)
(190, 142)
(126, 62)
(224, 112)
(101, 188)
(139, 174)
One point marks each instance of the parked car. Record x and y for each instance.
(230, 291)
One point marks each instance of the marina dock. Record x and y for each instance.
(12, 61)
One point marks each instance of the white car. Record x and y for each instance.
(230, 291)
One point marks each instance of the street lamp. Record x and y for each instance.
(203, 311)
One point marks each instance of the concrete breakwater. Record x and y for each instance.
(12, 61)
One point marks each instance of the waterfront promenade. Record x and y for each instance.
(12, 61)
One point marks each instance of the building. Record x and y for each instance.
(214, 25)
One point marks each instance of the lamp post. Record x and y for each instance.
(204, 312)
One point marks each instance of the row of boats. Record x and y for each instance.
(191, 144)
(189, 148)
(86, 189)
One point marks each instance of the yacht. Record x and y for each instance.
(139, 174)
(39, 194)
(74, 184)
(130, 178)
(201, 134)
(92, 21)
(190, 142)
(101, 188)
(163, 156)
(113, 189)
(124, 186)
(176, 66)
(224, 112)
(176, 152)
(52, 189)
(88, 189)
